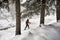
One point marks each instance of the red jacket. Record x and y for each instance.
(27, 22)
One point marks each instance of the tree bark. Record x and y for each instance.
(58, 10)
(18, 18)
(42, 12)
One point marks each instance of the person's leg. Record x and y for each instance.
(25, 27)
(28, 27)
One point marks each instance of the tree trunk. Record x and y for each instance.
(18, 18)
(58, 10)
(42, 12)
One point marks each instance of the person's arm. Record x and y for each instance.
(30, 22)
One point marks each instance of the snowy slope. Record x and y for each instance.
(46, 32)
(9, 34)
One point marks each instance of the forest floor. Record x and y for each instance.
(49, 31)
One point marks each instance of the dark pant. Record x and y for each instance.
(26, 27)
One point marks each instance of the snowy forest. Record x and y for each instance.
(29, 19)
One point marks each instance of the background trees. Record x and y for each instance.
(58, 10)
(43, 4)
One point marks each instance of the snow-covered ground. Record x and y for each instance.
(50, 32)
(46, 32)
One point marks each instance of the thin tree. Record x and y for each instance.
(58, 10)
(42, 11)
(18, 18)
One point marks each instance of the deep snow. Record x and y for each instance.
(46, 32)
(35, 32)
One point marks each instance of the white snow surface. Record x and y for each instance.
(43, 33)
(49, 31)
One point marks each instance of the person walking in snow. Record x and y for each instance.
(27, 24)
